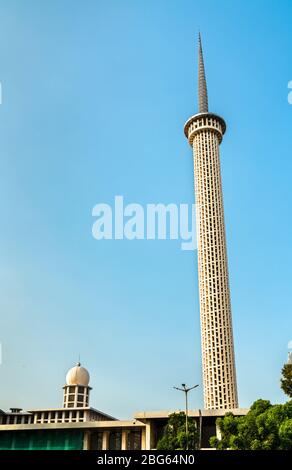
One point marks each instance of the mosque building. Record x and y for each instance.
(78, 426)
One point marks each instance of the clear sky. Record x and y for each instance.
(95, 95)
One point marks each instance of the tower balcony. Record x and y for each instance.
(204, 122)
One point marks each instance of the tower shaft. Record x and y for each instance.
(204, 132)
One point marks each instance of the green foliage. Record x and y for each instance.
(265, 427)
(174, 434)
(286, 380)
(285, 433)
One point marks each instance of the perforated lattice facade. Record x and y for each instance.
(204, 132)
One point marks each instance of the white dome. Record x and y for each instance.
(78, 376)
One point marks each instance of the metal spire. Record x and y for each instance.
(202, 85)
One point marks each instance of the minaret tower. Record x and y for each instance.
(204, 132)
(77, 389)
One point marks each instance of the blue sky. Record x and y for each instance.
(95, 95)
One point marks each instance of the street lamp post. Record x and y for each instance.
(186, 390)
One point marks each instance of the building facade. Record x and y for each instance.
(204, 132)
(85, 428)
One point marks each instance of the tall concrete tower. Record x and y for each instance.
(204, 132)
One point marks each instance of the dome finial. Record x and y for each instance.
(78, 364)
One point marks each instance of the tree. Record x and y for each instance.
(174, 433)
(285, 433)
(286, 380)
(265, 427)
